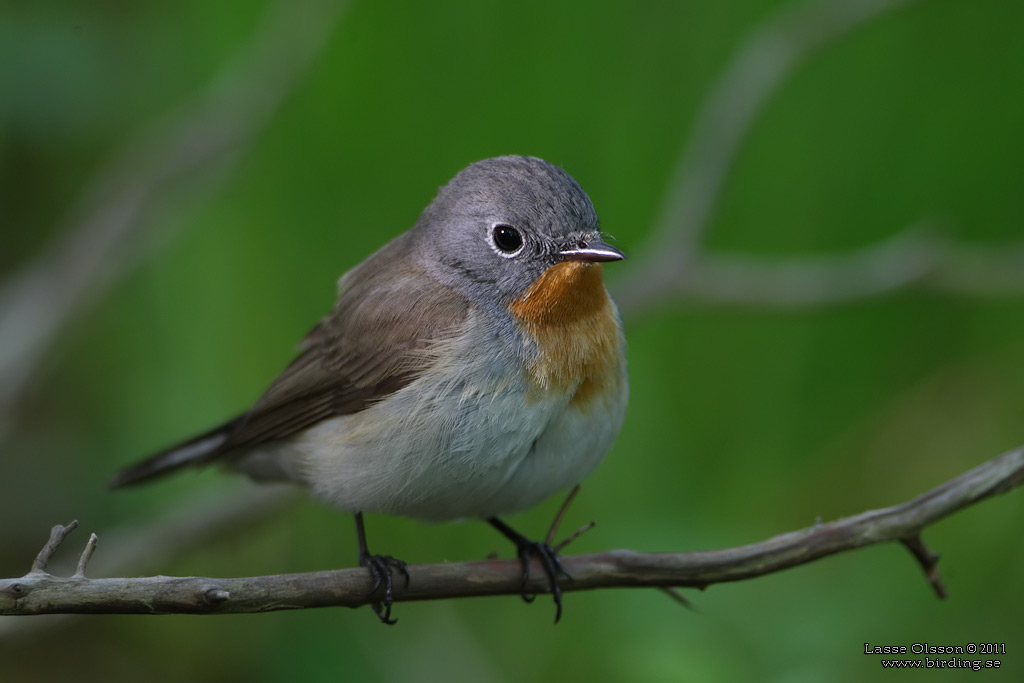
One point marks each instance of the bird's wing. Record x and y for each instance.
(370, 346)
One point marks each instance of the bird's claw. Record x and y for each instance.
(380, 567)
(548, 557)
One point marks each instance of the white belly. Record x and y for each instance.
(464, 440)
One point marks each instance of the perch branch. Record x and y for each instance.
(40, 593)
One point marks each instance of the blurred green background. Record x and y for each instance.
(745, 421)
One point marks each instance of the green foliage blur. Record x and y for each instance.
(744, 422)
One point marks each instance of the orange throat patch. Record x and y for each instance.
(579, 342)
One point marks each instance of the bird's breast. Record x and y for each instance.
(577, 332)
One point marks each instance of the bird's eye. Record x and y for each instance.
(507, 239)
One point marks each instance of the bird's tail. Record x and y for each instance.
(196, 451)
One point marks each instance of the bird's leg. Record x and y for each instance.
(548, 559)
(380, 571)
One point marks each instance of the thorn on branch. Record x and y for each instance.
(677, 595)
(57, 536)
(929, 561)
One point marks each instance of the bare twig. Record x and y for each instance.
(39, 593)
(57, 536)
(560, 515)
(573, 536)
(83, 561)
(90, 254)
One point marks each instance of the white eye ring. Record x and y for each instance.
(506, 241)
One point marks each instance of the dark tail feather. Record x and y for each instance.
(196, 451)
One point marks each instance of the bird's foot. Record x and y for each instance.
(549, 561)
(380, 567)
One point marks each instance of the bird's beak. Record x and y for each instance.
(592, 251)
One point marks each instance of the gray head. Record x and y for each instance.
(501, 222)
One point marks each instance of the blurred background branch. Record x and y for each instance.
(103, 240)
(757, 70)
(915, 259)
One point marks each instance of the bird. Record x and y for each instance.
(472, 367)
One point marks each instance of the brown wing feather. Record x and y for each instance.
(367, 348)
(364, 350)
